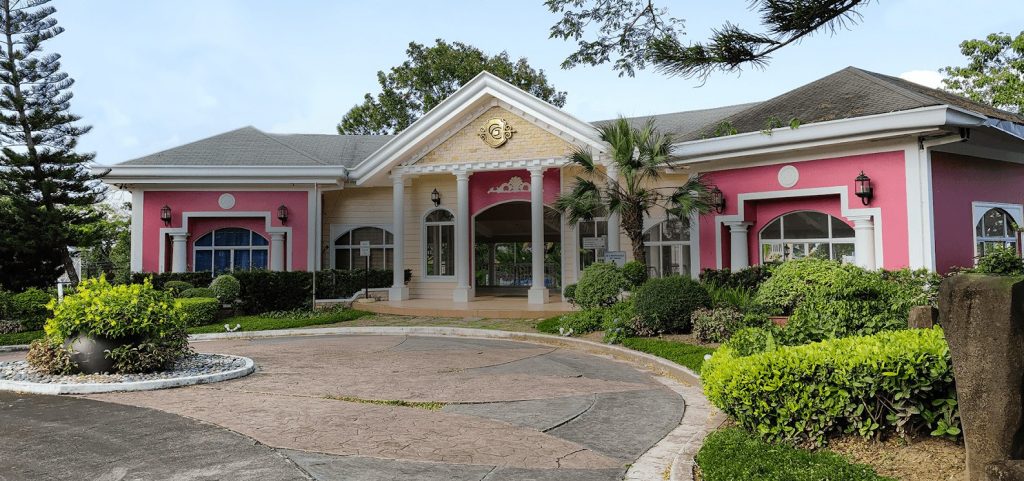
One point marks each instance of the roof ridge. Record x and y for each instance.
(293, 148)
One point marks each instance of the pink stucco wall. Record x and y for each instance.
(887, 172)
(957, 181)
(206, 201)
(481, 182)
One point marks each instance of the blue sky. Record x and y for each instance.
(154, 74)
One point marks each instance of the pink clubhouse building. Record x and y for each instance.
(856, 166)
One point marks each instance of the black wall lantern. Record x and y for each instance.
(282, 214)
(717, 199)
(165, 214)
(435, 196)
(863, 188)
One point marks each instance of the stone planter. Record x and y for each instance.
(90, 352)
(780, 321)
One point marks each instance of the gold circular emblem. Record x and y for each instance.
(496, 132)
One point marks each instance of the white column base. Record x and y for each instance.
(463, 294)
(538, 295)
(398, 293)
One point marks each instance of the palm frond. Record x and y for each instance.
(583, 202)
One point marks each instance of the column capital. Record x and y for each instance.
(536, 170)
(738, 225)
(277, 236)
(462, 174)
(179, 237)
(397, 177)
(861, 221)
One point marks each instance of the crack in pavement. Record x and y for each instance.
(593, 401)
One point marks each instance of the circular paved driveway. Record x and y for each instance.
(499, 410)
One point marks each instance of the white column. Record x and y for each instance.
(463, 291)
(179, 259)
(864, 240)
(738, 248)
(137, 221)
(538, 293)
(277, 251)
(613, 217)
(398, 291)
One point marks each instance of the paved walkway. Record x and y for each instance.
(507, 411)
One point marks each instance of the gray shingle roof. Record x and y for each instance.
(681, 124)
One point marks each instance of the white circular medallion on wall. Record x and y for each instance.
(788, 176)
(226, 201)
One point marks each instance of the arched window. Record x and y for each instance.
(807, 234)
(995, 228)
(230, 249)
(439, 243)
(347, 248)
(667, 248)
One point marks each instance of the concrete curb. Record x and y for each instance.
(14, 348)
(148, 385)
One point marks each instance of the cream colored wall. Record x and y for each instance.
(528, 142)
(353, 207)
(417, 204)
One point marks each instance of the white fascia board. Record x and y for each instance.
(482, 86)
(193, 174)
(890, 123)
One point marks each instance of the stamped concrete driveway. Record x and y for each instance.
(498, 410)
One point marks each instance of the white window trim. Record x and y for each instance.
(423, 245)
(651, 223)
(979, 209)
(338, 230)
(214, 247)
(830, 240)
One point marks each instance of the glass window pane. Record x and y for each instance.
(258, 240)
(841, 229)
(773, 230)
(344, 240)
(440, 216)
(204, 261)
(389, 238)
(231, 237)
(372, 234)
(683, 252)
(342, 259)
(447, 250)
(995, 223)
(843, 252)
(806, 225)
(818, 250)
(206, 240)
(259, 259)
(432, 248)
(586, 229)
(241, 262)
(602, 228)
(672, 230)
(221, 261)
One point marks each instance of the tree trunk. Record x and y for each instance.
(633, 225)
(69, 268)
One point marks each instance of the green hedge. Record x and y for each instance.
(196, 279)
(898, 381)
(197, 311)
(600, 285)
(748, 279)
(665, 305)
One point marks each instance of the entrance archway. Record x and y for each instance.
(502, 255)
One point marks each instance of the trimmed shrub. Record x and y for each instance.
(5, 305)
(618, 322)
(29, 308)
(177, 287)
(600, 285)
(753, 340)
(120, 312)
(197, 292)
(569, 293)
(198, 311)
(635, 273)
(736, 298)
(1002, 261)
(716, 325)
(665, 304)
(899, 381)
(226, 288)
(336, 284)
(265, 291)
(197, 279)
(749, 278)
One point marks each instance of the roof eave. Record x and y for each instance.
(197, 174)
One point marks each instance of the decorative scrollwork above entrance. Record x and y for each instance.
(515, 184)
(496, 132)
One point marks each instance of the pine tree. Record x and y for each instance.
(47, 184)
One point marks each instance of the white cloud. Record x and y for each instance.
(928, 78)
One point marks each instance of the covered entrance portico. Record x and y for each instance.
(503, 250)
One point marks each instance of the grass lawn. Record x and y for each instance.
(733, 455)
(20, 338)
(266, 322)
(687, 355)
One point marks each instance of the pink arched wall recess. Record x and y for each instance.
(888, 177)
(482, 182)
(264, 202)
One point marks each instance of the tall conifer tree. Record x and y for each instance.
(47, 184)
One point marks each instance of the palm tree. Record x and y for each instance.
(641, 155)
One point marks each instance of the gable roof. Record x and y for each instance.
(681, 124)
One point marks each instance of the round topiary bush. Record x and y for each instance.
(130, 328)
(600, 286)
(666, 304)
(177, 287)
(226, 288)
(635, 273)
(569, 293)
(29, 308)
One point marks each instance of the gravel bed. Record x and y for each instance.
(194, 365)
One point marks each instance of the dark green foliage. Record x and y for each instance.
(590, 320)
(897, 381)
(283, 320)
(754, 340)
(19, 338)
(47, 192)
(159, 281)
(736, 298)
(50, 356)
(569, 293)
(732, 454)
(994, 74)
(635, 273)
(1001, 261)
(151, 355)
(198, 311)
(5, 305)
(432, 74)
(680, 353)
(29, 308)
(716, 325)
(600, 285)
(335, 284)
(749, 278)
(176, 287)
(226, 288)
(665, 304)
(197, 292)
(110, 254)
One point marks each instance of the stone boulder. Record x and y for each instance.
(922, 317)
(983, 318)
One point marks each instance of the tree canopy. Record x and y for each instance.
(994, 73)
(634, 33)
(432, 74)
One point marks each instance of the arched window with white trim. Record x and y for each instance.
(439, 243)
(996, 227)
(230, 249)
(667, 249)
(347, 248)
(801, 234)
